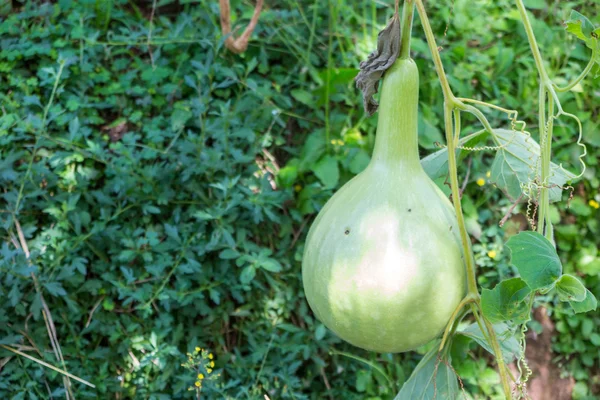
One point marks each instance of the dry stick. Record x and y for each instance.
(45, 364)
(150, 33)
(240, 44)
(89, 320)
(510, 210)
(46, 313)
(326, 381)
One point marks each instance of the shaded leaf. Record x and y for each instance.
(515, 164)
(436, 164)
(508, 342)
(433, 378)
(588, 304)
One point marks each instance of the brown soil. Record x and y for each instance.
(545, 383)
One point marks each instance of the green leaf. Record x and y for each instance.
(580, 26)
(287, 175)
(505, 301)
(588, 304)
(536, 4)
(570, 288)
(228, 254)
(320, 332)
(514, 166)
(433, 378)
(359, 162)
(535, 258)
(55, 289)
(11, 339)
(508, 342)
(248, 273)
(303, 97)
(271, 265)
(327, 171)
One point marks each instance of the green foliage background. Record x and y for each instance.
(164, 187)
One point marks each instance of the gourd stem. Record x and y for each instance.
(408, 10)
(435, 54)
(497, 353)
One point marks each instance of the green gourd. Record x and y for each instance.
(383, 266)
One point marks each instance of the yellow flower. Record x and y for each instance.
(298, 187)
(212, 364)
(210, 356)
(197, 349)
(200, 377)
(480, 181)
(594, 204)
(209, 370)
(492, 254)
(198, 383)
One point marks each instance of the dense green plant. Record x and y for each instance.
(163, 189)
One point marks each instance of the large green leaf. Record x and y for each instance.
(506, 301)
(433, 378)
(327, 171)
(535, 258)
(508, 342)
(516, 163)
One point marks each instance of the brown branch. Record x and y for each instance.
(510, 210)
(240, 44)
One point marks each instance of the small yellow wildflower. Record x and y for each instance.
(480, 182)
(197, 349)
(594, 204)
(198, 383)
(209, 370)
(492, 254)
(212, 364)
(298, 187)
(210, 356)
(200, 377)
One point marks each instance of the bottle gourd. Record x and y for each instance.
(383, 266)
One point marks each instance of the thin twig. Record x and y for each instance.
(298, 233)
(46, 311)
(89, 320)
(150, 33)
(326, 381)
(510, 210)
(45, 364)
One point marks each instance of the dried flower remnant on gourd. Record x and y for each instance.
(373, 68)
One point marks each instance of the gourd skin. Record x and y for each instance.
(383, 266)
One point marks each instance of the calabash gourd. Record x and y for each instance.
(383, 266)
